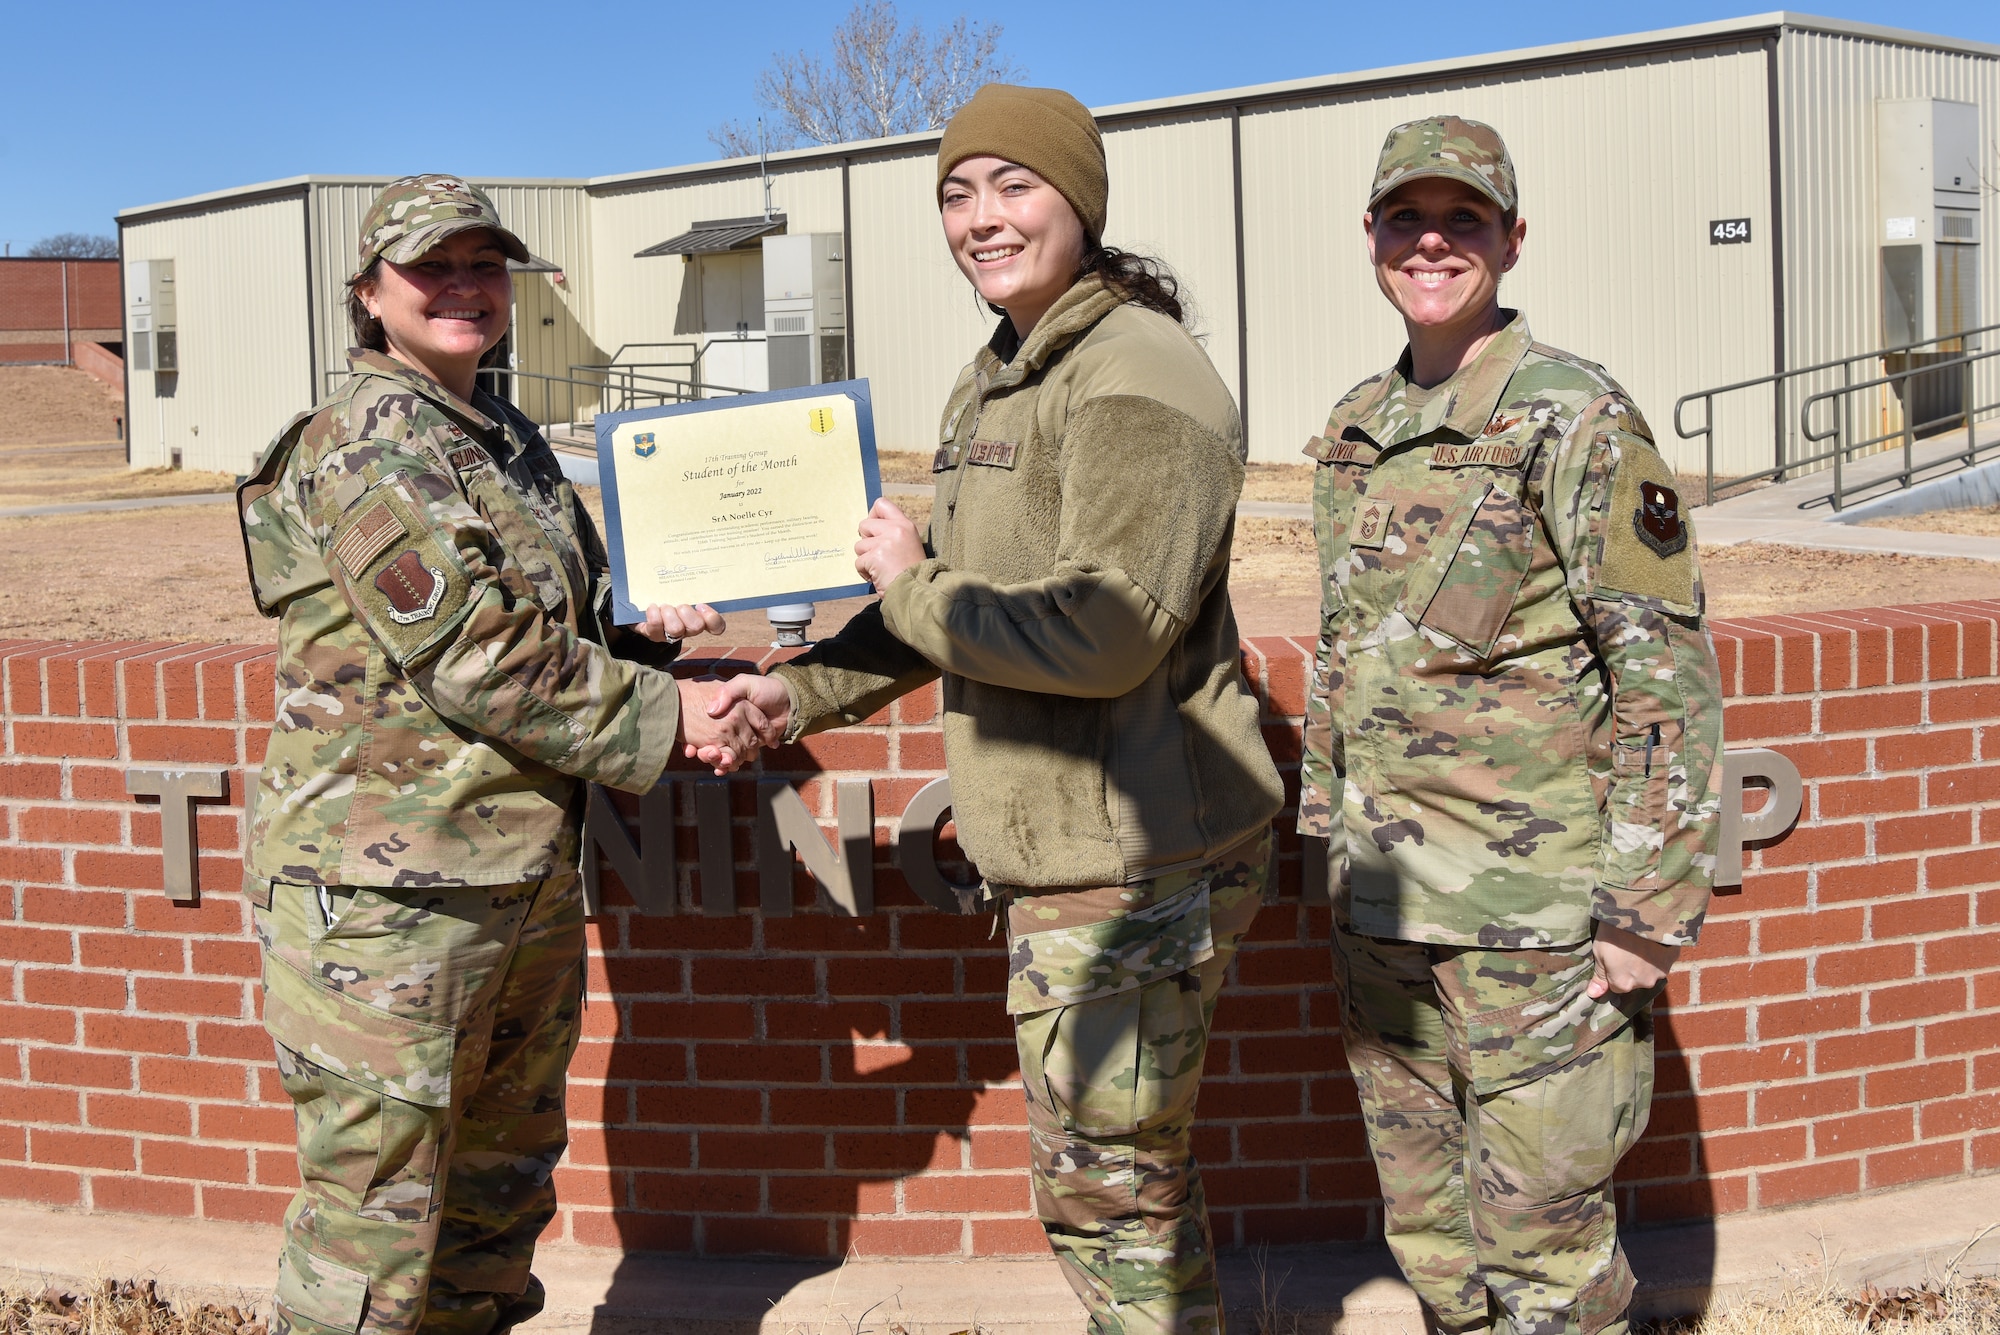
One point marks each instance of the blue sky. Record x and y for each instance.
(122, 104)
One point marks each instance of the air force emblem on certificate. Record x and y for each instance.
(644, 445)
(820, 420)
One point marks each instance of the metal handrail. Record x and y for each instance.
(630, 389)
(1777, 380)
(1967, 410)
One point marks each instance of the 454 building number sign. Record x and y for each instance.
(1729, 232)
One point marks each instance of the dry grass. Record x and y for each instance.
(43, 404)
(123, 1307)
(1982, 523)
(1953, 1306)
(1770, 579)
(60, 474)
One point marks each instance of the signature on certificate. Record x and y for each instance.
(794, 555)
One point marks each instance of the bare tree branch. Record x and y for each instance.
(879, 79)
(74, 246)
(740, 139)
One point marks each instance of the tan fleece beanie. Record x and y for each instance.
(1045, 130)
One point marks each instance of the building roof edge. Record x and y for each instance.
(827, 155)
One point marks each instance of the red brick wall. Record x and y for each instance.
(31, 295)
(809, 1083)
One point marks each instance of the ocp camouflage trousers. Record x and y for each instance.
(1113, 990)
(1498, 1099)
(423, 1035)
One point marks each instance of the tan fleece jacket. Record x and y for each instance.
(1097, 727)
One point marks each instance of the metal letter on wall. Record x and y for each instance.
(648, 870)
(916, 851)
(846, 874)
(1771, 820)
(718, 848)
(177, 789)
(1313, 871)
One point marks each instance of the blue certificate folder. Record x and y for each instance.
(623, 611)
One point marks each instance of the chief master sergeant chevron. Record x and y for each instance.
(1512, 747)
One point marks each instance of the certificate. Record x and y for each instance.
(741, 502)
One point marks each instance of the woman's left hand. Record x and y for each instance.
(889, 545)
(680, 623)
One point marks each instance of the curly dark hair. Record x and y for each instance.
(1140, 279)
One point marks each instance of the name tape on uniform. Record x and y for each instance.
(1493, 454)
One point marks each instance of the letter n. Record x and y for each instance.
(846, 874)
(648, 871)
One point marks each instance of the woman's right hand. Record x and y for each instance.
(722, 732)
(765, 699)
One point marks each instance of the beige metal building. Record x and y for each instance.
(1631, 151)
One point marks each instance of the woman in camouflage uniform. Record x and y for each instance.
(1106, 766)
(1512, 744)
(444, 691)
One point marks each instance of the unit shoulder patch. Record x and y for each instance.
(412, 588)
(1648, 552)
(1658, 519)
(403, 578)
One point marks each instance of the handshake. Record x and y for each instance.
(724, 724)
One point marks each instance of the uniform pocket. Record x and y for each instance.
(1486, 566)
(1120, 1064)
(401, 1057)
(1564, 1133)
(320, 1291)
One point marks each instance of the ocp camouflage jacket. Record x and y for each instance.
(441, 684)
(1097, 727)
(1514, 700)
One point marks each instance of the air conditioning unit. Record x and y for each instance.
(805, 308)
(1928, 183)
(152, 340)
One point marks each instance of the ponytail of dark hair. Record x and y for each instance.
(368, 332)
(1140, 279)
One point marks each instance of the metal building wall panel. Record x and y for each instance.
(917, 321)
(1828, 85)
(1172, 197)
(638, 299)
(552, 219)
(1623, 163)
(240, 280)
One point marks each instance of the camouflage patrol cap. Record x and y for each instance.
(1450, 147)
(414, 214)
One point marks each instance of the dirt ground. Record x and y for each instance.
(47, 405)
(70, 576)
(1974, 523)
